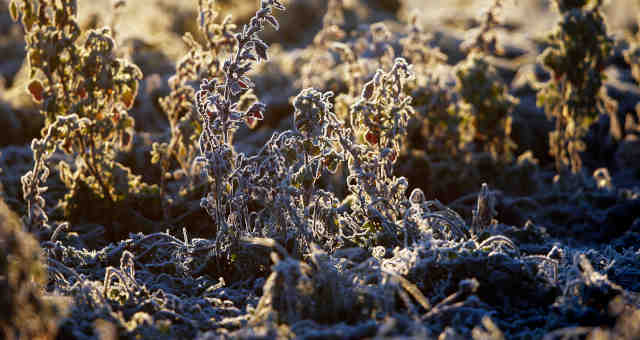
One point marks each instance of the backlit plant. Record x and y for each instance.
(573, 97)
(176, 157)
(277, 192)
(487, 107)
(217, 105)
(438, 118)
(323, 190)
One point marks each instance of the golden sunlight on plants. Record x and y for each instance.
(330, 169)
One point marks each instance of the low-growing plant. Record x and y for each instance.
(485, 37)
(378, 124)
(217, 103)
(437, 119)
(487, 107)
(85, 91)
(202, 60)
(574, 96)
(357, 252)
(33, 186)
(277, 192)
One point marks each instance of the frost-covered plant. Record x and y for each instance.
(217, 103)
(331, 24)
(380, 212)
(318, 56)
(85, 92)
(373, 48)
(574, 96)
(485, 37)
(276, 192)
(33, 186)
(434, 99)
(376, 210)
(354, 60)
(417, 49)
(355, 291)
(201, 61)
(486, 107)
